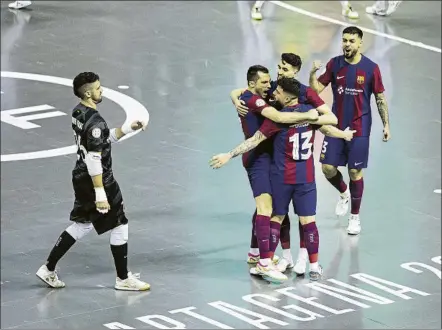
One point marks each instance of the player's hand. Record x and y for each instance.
(348, 134)
(219, 160)
(316, 66)
(138, 124)
(102, 207)
(386, 135)
(313, 115)
(241, 107)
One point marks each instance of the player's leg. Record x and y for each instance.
(116, 222)
(305, 200)
(348, 11)
(64, 242)
(253, 256)
(287, 259)
(333, 154)
(357, 161)
(19, 4)
(256, 10)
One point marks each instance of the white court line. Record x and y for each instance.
(334, 21)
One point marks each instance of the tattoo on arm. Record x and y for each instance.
(248, 144)
(381, 101)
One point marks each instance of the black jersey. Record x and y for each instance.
(91, 135)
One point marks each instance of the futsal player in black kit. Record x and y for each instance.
(98, 201)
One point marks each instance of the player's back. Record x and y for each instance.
(250, 125)
(91, 135)
(293, 150)
(353, 86)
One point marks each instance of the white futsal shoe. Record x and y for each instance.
(131, 283)
(348, 11)
(19, 4)
(256, 11)
(354, 225)
(342, 206)
(50, 278)
(269, 273)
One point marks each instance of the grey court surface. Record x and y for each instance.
(189, 225)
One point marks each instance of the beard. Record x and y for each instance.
(98, 101)
(350, 54)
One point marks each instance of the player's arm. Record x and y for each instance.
(92, 159)
(289, 117)
(335, 132)
(267, 129)
(240, 106)
(327, 117)
(381, 101)
(318, 84)
(116, 134)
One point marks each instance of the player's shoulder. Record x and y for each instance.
(368, 63)
(255, 101)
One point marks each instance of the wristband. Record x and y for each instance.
(100, 195)
(126, 128)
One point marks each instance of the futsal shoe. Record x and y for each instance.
(252, 259)
(285, 264)
(354, 225)
(342, 206)
(19, 4)
(269, 273)
(256, 13)
(131, 283)
(349, 12)
(50, 278)
(316, 275)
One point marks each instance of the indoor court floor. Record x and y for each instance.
(176, 63)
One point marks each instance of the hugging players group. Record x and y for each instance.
(279, 120)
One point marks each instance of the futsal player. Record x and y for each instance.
(98, 200)
(354, 78)
(292, 170)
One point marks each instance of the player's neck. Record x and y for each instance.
(89, 104)
(293, 103)
(355, 59)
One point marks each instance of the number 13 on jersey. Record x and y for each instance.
(302, 145)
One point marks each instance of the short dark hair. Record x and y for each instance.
(252, 72)
(82, 79)
(290, 85)
(292, 59)
(353, 30)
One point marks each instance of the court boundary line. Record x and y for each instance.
(345, 24)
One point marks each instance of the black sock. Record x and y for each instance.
(119, 253)
(64, 243)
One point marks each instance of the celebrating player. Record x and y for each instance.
(98, 200)
(354, 78)
(288, 67)
(292, 172)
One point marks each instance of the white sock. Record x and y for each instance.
(265, 262)
(287, 254)
(303, 254)
(258, 4)
(254, 251)
(344, 4)
(314, 267)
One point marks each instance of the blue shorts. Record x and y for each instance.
(338, 152)
(259, 175)
(303, 196)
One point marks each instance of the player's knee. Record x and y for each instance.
(264, 205)
(119, 235)
(355, 174)
(306, 220)
(278, 218)
(329, 170)
(78, 230)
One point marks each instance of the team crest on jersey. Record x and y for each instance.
(260, 102)
(322, 156)
(96, 133)
(360, 80)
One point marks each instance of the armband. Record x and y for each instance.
(113, 135)
(126, 128)
(93, 163)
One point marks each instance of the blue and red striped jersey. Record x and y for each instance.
(353, 85)
(292, 148)
(251, 123)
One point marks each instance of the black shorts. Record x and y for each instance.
(85, 211)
